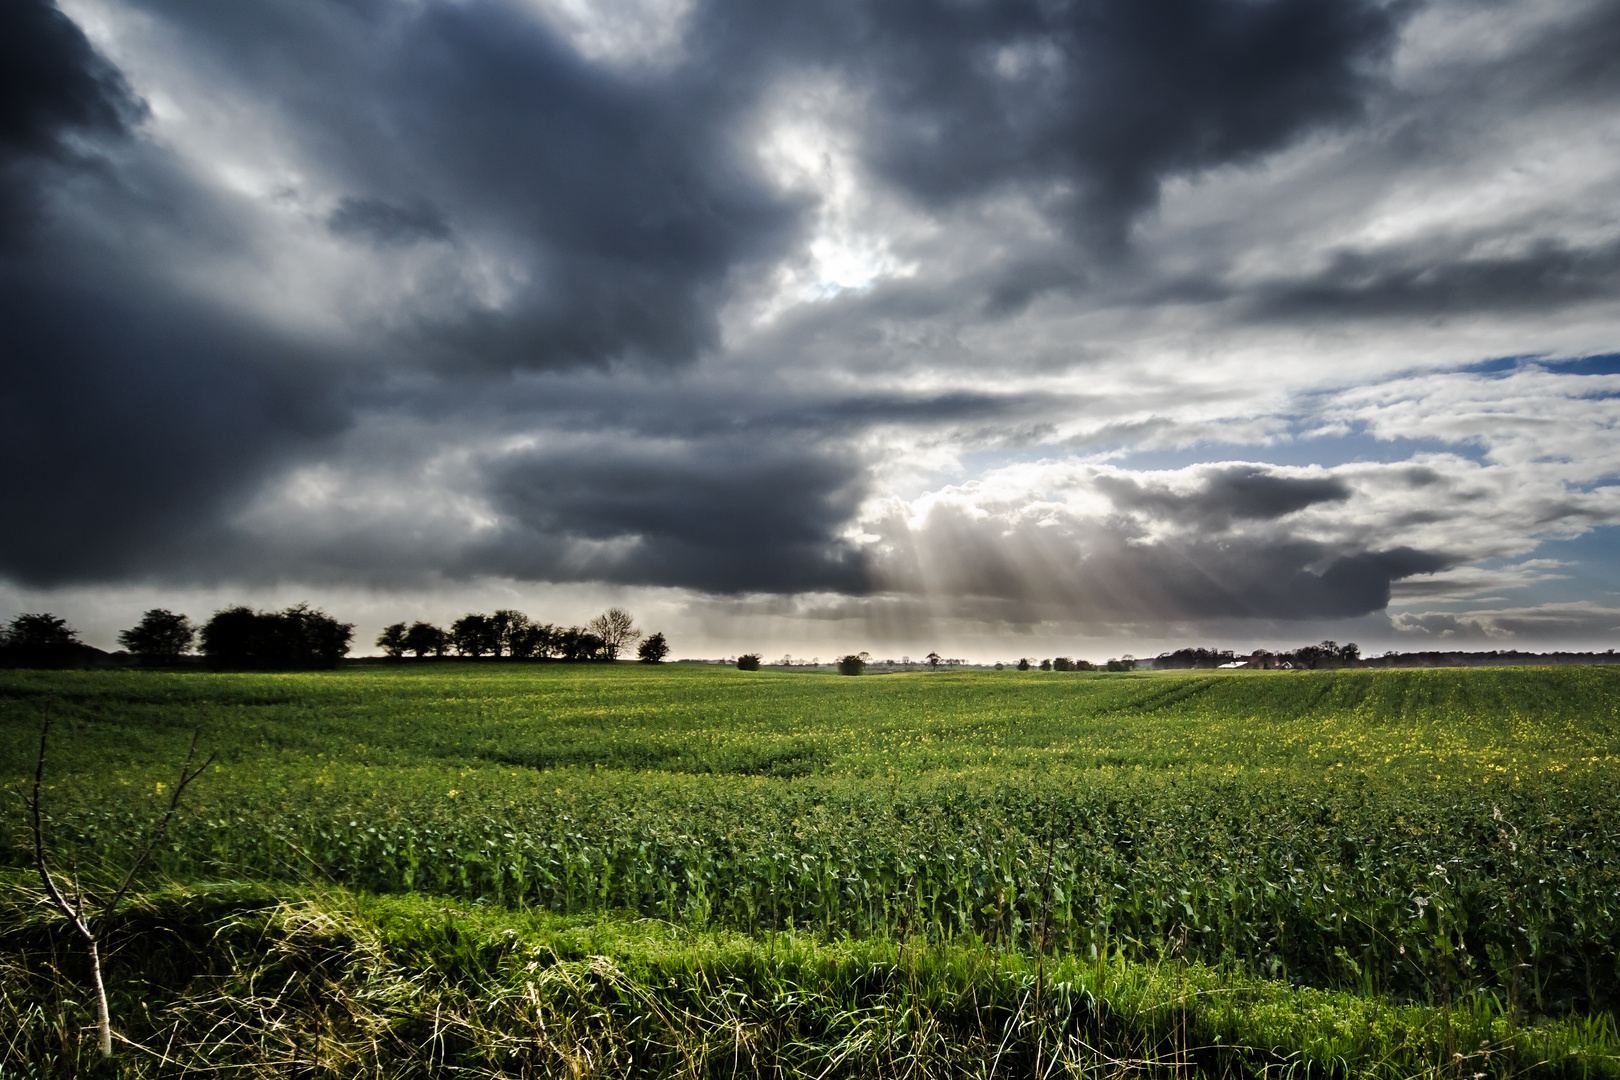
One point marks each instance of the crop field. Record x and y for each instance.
(1386, 873)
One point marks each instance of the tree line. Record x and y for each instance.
(302, 636)
(513, 635)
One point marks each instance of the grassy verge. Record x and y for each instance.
(234, 980)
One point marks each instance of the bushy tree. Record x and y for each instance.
(854, 663)
(392, 640)
(40, 640)
(934, 659)
(1193, 658)
(233, 636)
(1329, 654)
(423, 638)
(314, 638)
(748, 662)
(617, 629)
(1023, 663)
(534, 641)
(653, 649)
(297, 637)
(474, 635)
(577, 644)
(1062, 663)
(506, 628)
(161, 637)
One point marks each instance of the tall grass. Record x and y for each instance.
(334, 984)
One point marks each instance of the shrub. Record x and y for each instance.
(299, 637)
(41, 641)
(748, 662)
(534, 641)
(423, 638)
(474, 635)
(579, 645)
(160, 637)
(653, 649)
(853, 664)
(392, 641)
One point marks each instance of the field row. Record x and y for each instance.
(1425, 835)
(1423, 894)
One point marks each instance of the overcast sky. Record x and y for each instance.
(997, 328)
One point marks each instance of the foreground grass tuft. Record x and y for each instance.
(232, 980)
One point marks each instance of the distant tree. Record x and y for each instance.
(315, 639)
(532, 641)
(748, 662)
(1192, 658)
(161, 637)
(1062, 663)
(232, 636)
(1123, 664)
(933, 659)
(578, 644)
(1046, 665)
(1326, 655)
(41, 640)
(854, 663)
(653, 649)
(472, 635)
(297, 637)
(1023, 663)
(423, 638)
(617, 630)
(506, 627)
(546, 636)
(392, 641)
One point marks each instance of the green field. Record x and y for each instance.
(1354, 872)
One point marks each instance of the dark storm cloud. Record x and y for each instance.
(632, 194)
(1105, 99)
(1549, 276)
(725, 516)
(1088, 104)
(53, 87)
(387, 223)
(1061, 566)
(127, 418)
(53, 83)
(1228, 494)
(130, 428)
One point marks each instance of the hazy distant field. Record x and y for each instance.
(1423, 835)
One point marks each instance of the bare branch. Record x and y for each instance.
(187, 775)
(40, 861)
(92, 930)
